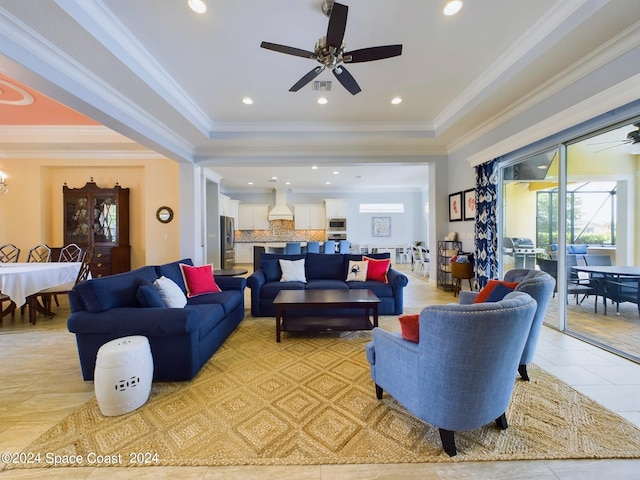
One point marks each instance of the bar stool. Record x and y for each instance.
(123, 375)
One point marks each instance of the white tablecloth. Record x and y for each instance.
(19, 280)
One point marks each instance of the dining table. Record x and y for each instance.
(21, 280)
(613, 272)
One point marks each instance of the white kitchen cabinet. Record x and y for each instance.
(253, 217)
(229, 207)
(244, 253)
(309, 217)
(335, 208)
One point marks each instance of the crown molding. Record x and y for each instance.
(97, 19)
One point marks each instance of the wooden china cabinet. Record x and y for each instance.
(99, 217)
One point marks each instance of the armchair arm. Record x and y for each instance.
(467, 297)
(231, 283)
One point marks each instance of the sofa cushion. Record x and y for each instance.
(325, 267)
(377, 269)
(229, 300)
(210, 316)
(494, 291)
(270, 290)
(327, 284)
(292, 270)
(199, 280)
(171, 294)
(577, 249)
(271, 270)
(113, 291)
(173, 272)
(380, 289)
(357, 271)
(148, 295)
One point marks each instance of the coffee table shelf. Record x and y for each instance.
(320, 323)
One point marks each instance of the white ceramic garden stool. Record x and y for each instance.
(123, 375)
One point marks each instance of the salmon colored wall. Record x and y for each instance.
(32, 210)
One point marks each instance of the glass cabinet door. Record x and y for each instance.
(77, 226)
(105, 219)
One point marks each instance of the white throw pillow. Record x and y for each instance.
(171, 294)
(292, 271)
(357, 271)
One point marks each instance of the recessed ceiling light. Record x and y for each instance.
(322, 101)
(315, 167)
(247, 101)
(197, 6)
(396, 100)
(287, 183)
(327, 183)
(336, 172)
(274, 178)
(249, 183)
(452, 7)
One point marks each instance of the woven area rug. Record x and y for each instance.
(310, 400)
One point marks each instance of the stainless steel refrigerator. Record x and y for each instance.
(227, 243)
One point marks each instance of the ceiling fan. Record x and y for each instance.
(329, 51)
(633, 138)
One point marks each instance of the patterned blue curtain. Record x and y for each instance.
(486, 235)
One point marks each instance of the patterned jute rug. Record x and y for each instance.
(310, 400)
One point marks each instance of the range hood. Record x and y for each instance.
(281, 210)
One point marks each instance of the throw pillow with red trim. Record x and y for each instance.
(199, 280)
(494, 291)
(377, 269)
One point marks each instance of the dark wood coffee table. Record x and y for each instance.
(288, 301)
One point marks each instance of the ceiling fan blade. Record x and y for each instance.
(372, 53)
(337, 25)
(307, 78)
(298, 52)
(347, 80)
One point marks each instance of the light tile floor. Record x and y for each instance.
(40, 384)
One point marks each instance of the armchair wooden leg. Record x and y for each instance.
(501, 422)
(448, 442)
(522, 370)
(378, 392)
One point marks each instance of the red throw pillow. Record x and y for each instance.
(377, 269)
(504, 287)
(410, 326)
(199, 280)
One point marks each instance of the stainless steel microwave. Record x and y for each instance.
(337, 224)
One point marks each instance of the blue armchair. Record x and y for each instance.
(460, 375)
(540, 285)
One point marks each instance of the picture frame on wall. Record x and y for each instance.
(469, 202)
(381, 226)
(455, 207)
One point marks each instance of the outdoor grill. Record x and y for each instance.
(522, 250)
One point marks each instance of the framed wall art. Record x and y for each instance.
(381, 226)
(455, 207)
(469, 204)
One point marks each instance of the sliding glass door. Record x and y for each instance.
(572, 208)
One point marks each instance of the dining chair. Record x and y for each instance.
(63, 289)
(9, 253)
(404, 254)
(573, 286)
(419, 260)
(70, 253)
(597, 280)
(39, 254)
(344, 246)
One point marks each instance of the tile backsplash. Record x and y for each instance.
(280, 231)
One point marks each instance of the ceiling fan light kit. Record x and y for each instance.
(330, 52)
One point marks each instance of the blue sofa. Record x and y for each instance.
(322, 272)
(182, 339)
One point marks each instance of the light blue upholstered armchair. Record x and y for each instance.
(460, 375)
(540, 285)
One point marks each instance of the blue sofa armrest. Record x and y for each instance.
(231, 283)
(125, 321)
(255, 282)
(398, 281)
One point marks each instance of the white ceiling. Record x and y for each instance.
(173, 80)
